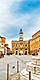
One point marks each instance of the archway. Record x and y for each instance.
(16, 51)
(26, 51)
(21, 52)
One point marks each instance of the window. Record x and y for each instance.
(16, 49)
(16, 45)
(21, 43)
(25, 49)
(25, 44)
(21, 46)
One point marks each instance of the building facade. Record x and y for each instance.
(2, 43)
(8, 51)
(4, 49)
(20, 47)
(35, 43)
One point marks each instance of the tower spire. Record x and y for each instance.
(21, 35)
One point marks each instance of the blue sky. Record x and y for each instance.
(16, 14)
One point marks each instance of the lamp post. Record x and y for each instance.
(7, 71)
(17, 66)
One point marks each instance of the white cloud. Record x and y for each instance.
(5, 16)
(30, 21)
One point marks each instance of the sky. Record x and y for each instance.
(17, 14)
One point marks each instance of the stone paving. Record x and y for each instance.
(24, 74)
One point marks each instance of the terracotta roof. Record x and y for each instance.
(35, 33)
(3, 37)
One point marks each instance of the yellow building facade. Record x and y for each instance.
(35, 43)
(20, 47)
(31, 46)
(4, 49)
(2, 43)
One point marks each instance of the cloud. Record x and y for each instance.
(25, 6)
(16, 14)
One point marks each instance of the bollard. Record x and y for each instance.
(7, 71)
(29, 75)
(17, 66)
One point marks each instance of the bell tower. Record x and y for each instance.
(21, 35)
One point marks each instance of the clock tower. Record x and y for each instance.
(21, 35)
